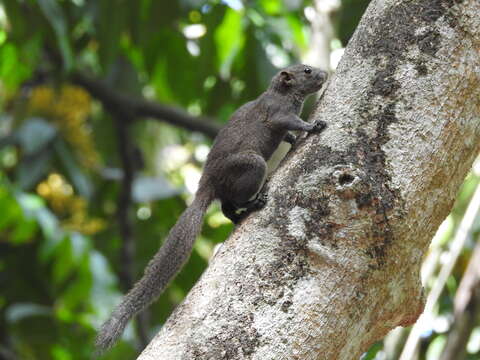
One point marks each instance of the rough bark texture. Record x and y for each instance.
(332, 263)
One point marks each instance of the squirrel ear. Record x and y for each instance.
(286, 78)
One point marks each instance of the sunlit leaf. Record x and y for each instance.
(61, 353)
(76, 175)
(272, 7)
(25, 232)
(372, 352)
(8, 60)
(50, 227)
(69, 256)
(104, 294)
(9, 208)
(435, 348)
(35, 134)
(63, 264)
(13, 70)
(229, 38)
(33, 207)
(298, 30)
(77, 291)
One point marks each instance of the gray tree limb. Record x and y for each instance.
(332, 263)
(139, 107)
(467, 309)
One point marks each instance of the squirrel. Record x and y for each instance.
(234, 173)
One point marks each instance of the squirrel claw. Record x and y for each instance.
(319, 126)
(257, 203)
(260, 201)
(290, 138)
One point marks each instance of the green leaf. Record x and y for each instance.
(12, 70)
(15, 16)
(50, 228)
(70, 255)
(349, 16)
(104, 294)
(372, 352)
(22, 234)
(34, 135)
(30, 203)
(53, 12)
(79, 179)
(8, 60)
(229, 38)
(33, 207)
(61, 353)
(17, 60)
(436, 346)
(272, 7)
(76, 291)
(11, 212)
(32, 169)
(298, 30)
(161, 83)
(110, 25)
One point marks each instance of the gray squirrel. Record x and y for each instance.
(234, 173)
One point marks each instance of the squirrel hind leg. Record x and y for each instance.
(231, 211)
(238, 213)
(241, 192)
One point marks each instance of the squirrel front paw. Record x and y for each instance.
(319, 126)
(290, 138)
(259, 202)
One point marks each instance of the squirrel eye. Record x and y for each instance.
(307, 70)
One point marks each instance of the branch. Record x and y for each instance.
(125, 204)
(467, 309)
(144, 108)
(332, 263)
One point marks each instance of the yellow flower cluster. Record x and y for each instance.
(68, 107)
(70, 207)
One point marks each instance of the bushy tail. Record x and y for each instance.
(160, 270)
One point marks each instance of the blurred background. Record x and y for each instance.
(108, 109)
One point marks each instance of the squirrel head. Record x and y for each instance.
(299, 79)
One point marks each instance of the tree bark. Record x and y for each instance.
(332, 263)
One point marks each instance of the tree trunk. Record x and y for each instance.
(332, 263)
